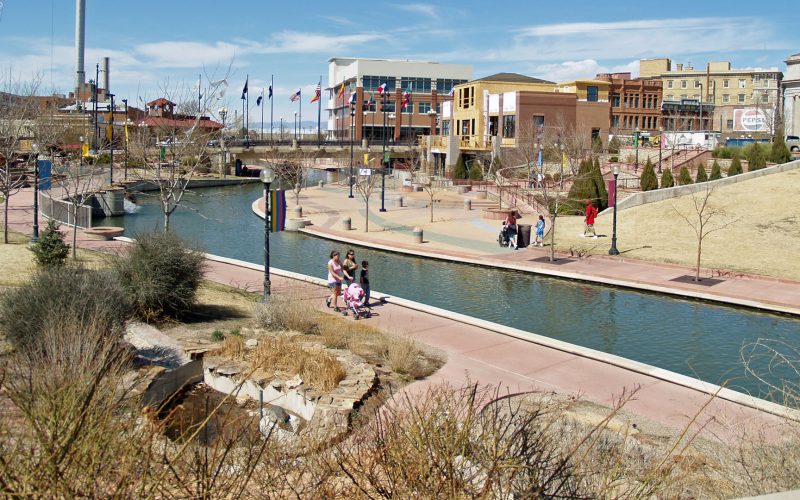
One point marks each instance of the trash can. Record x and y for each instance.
(523, 235)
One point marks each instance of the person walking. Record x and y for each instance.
(335, 278)
(510, 228)
(591, 214)
(364, 281)
(349, 267)
(539, 232)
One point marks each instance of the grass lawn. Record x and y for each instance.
(764, 240)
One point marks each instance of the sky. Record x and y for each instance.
(161, 47)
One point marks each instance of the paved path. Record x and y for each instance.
(489, 358)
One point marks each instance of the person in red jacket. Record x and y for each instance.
(591, 214)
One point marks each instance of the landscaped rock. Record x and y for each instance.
(251, 343)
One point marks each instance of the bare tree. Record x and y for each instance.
(183, 151)
(365, 185)
(17, 110)
(703, 220)
(77, 179)
(292, 169)
(422, 176)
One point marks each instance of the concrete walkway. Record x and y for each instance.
(479, 355)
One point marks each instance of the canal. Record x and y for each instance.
(694, 338)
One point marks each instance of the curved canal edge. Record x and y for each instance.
(555, 273)
(668, 376)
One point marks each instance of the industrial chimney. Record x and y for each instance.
(104, 76)
(80, 36)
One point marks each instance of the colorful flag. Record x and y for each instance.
(270, 92)
(352, 99)
(260, 98)
(277, 210)
(452, 92)
(382, 88)
(295, 96)
(341, 91)
(244, 90)
(317, 94)
(406, 99)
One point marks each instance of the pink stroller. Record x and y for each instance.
(354, 300)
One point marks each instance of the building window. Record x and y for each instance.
(424, 107)
(591, 93)
(420, 85)
(370, 106)
(764, 97)
(388, 107)
(684, 96)
(766, 84)
(696, 96)
(683, 84)
(438, 108)
(726, 98)
(729, 124)
(538, 122)
(697, 84)
(371, 83)
(615, 100)
(741, 97)
(670, 97)
(615, 121)
(726, 84)
(669, 84)
(509, 122)
(741, 83)
(408, 109)
(445, 85)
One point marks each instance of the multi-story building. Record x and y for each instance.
(497, 111)
(791, 96)
(635, 103)
(745, 101)
(428, 85)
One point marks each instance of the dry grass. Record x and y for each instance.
(232, 348)
(283, 355)
(764, 241)
(287, 313)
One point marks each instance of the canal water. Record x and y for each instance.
(693, 338)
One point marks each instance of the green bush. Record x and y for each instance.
(94, 298)
(475, 172)
(735, 167)
(460, 171)
(583, 189)
(600, 183)
(684, 177)
(716, 171)
(50, 250)
(161, 275)
(779, 153)
(597, 145)
(649, 180)
(667, 181)
(613, 159)
(702, 175)
(613, 145)
(102, 159)
(756, 157)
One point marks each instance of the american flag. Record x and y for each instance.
(317, 93)
(295, 96)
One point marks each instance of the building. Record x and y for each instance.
(745, 101)
(427, 84)
(635, 103)
(791, 95)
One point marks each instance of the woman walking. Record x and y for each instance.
(335, 278)
(349, 267)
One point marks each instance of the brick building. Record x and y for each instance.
(635, 103)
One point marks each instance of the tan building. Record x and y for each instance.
(746, 101)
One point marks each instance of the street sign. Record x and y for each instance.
(163, 153)
(366, 158)
(364, 171)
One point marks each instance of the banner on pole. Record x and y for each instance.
(45, 175)
(277, 210)
(612, 191)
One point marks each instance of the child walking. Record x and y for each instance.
(539, 232)
(364, 281)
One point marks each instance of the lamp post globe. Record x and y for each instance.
(613, 250)
(267, 176)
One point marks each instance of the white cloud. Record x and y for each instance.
(587, 68)
(300, 42)
(178, 54)
(420, 9)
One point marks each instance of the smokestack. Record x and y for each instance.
(80, 39)
(104, 75)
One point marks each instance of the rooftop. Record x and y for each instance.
(512, 78)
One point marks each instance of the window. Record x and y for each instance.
(421, 85)
(591, 93)
(726, 84)
(726, 98)
(696, 96)
(683, 84)
(615, 121)
(371, 83)
(741, 97)
(424, 107)
(697, 84)
(669, 84)
(370, 106)
(445, 85)
(729, 124)
(438, 108)
(509, 122)
(766, 84)
(408, 109)
(388, 107)
(741, 83)
(670, 97)
(684, 96)
(615, 100)
(764, 97)
(635, 101)
(538, 122)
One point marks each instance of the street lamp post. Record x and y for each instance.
(636, 138)
(281, 136)
(35, 236)
(267, 175)
(125, 167)
(660, 141)
(223, 112)
(613, 250)
(111, 144)
(352, 132)
(384, 161)
(295, 125)
(702, 128)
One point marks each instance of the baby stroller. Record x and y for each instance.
(354, 301)
(504, 238)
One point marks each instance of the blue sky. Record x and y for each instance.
(165, 44)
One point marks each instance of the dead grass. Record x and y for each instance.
(232, 348)
(764, 241)
(283, 355)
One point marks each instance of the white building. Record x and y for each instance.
(791, 95)
(427, 83)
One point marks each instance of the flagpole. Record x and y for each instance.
(262, 113)
(300, 122)
(319, 112)
(271, 90)
(199, 96)
(247, 127)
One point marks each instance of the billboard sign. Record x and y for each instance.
(750, 120)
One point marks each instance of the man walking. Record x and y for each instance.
(591, 214)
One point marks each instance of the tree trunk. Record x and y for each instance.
(431, 209)
(74, 230)
(366, 217)
(5, 219)
(166, 222)
(553, 238)
(697, 268)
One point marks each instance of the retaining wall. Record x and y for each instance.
(645, 197)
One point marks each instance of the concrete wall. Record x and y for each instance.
(168, 383)
(645, 197)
